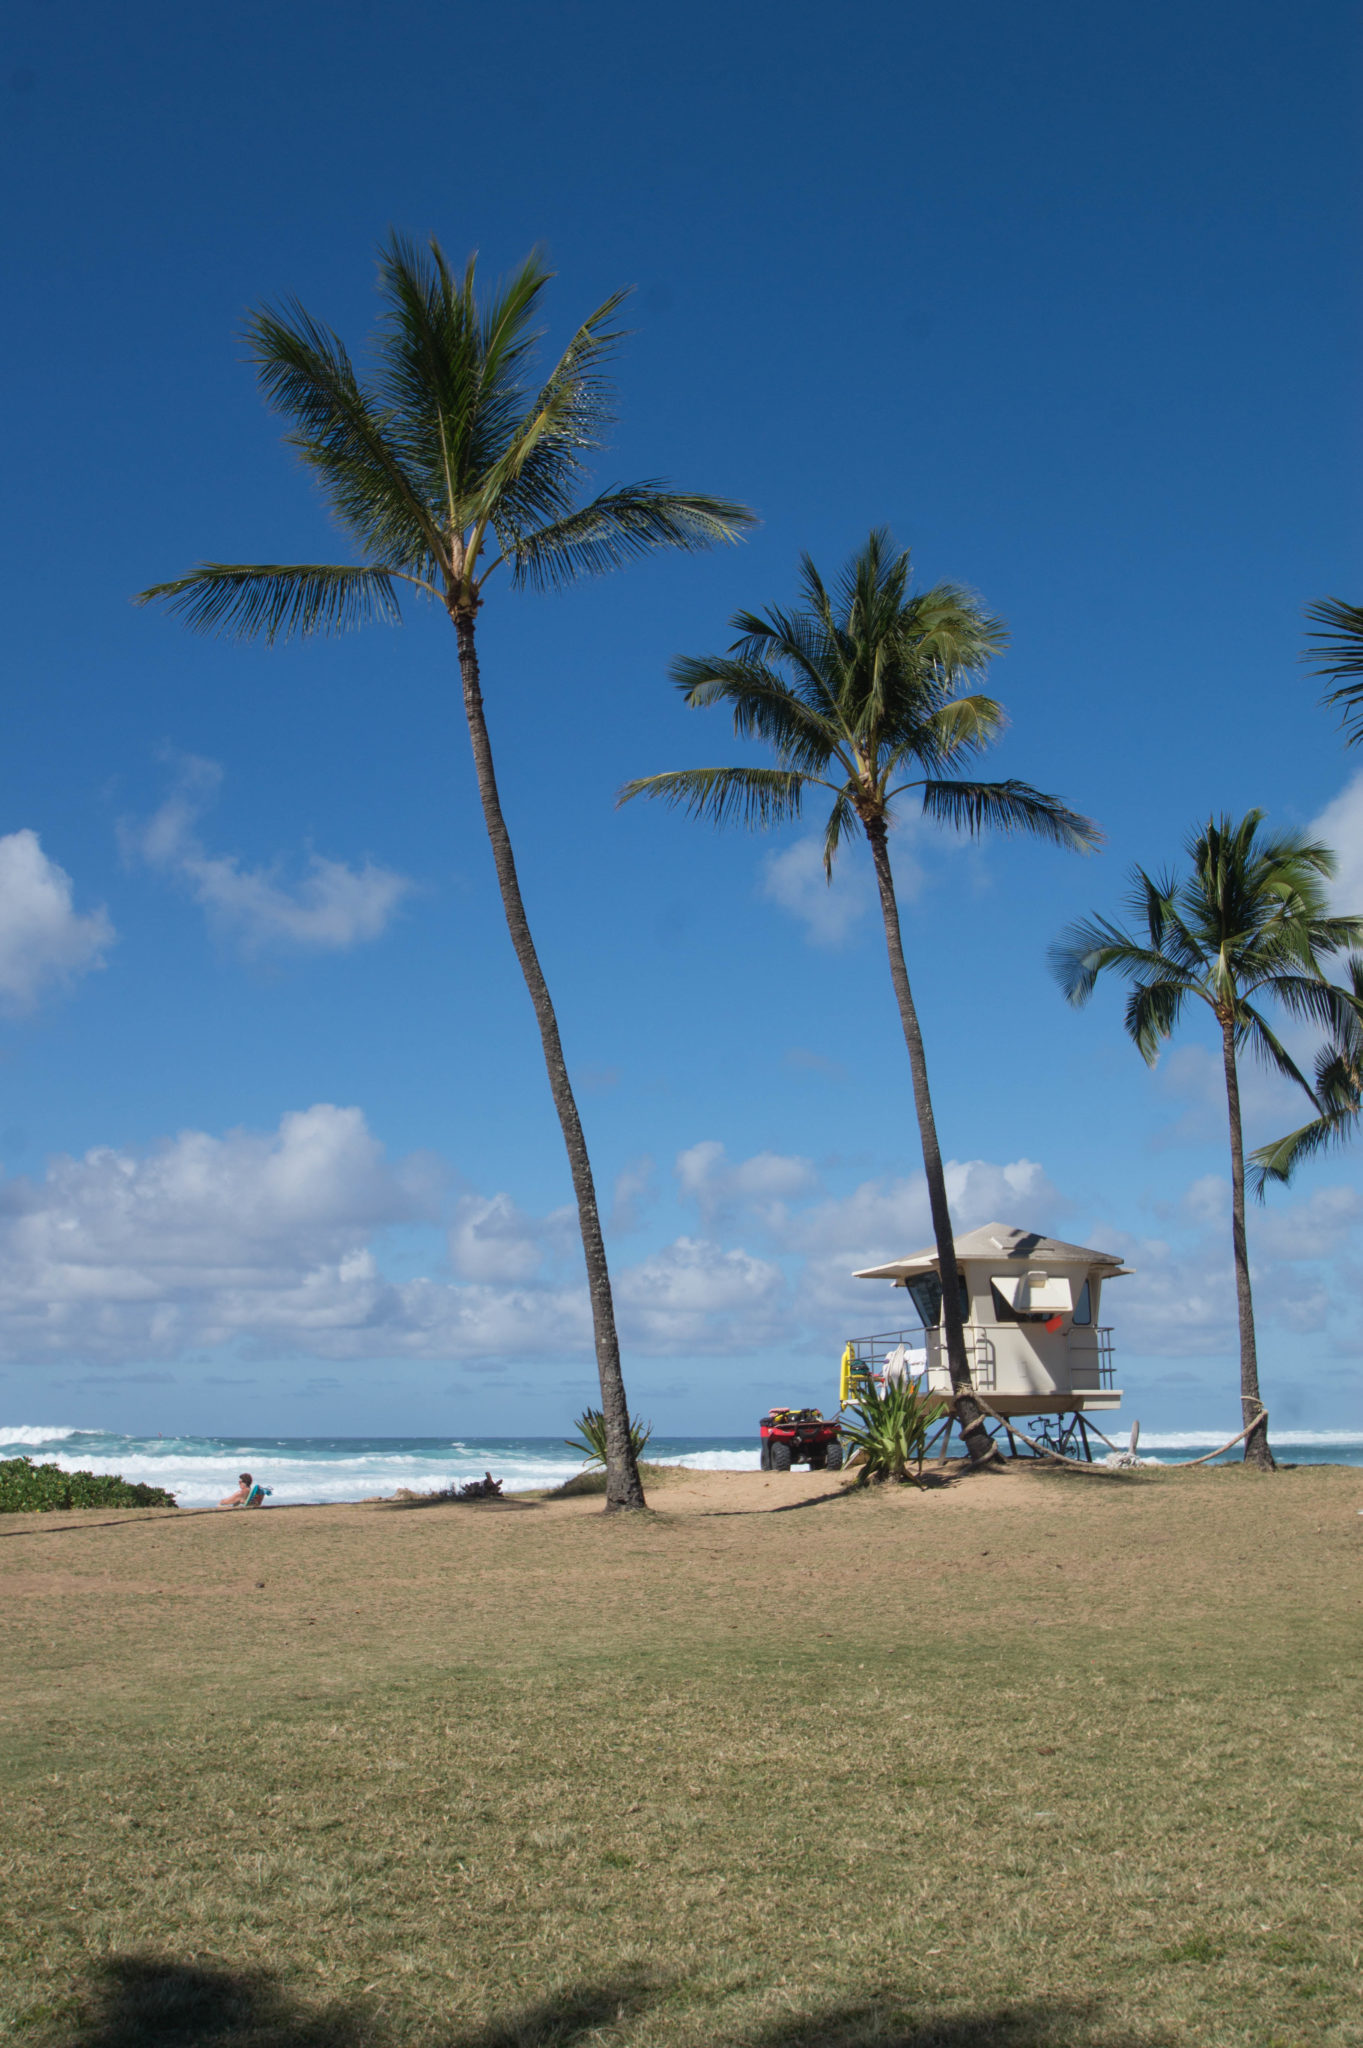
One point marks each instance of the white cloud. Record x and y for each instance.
(705, 1177)
(44, 941)
(492, 1239)
(1340, 825)
(237, 1251)
(635, 1192)
(694, 1296)
(328, 909)
(830, 912)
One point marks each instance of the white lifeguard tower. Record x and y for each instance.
(1030, 1308)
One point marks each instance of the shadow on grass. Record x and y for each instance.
(139, 2002)
(890, 2023)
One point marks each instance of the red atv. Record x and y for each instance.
(799, 1436)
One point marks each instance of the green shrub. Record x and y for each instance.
(591, 1436)
(29, 1489)
(888, 1429)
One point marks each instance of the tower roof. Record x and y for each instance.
(997, 1241)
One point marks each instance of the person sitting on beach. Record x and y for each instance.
(242, 1497)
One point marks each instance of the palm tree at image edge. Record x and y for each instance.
(1248, 923)
(853, 690)
(447, 464)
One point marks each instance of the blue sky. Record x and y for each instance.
(1062, 296)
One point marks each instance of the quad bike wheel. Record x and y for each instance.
(832, 1458)
(764, 1455)
(780, 1457)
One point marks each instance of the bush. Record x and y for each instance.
(29, 1489)
(888, 1429)
(591, 1436)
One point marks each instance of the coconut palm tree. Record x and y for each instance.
(1338, 656)
(1247, 925)
(448, 463)
(860, 693)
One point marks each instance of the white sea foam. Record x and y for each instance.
(1207, 1439)
(31, 1433)
(710, 1461)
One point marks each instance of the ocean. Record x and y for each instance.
(199, 1470)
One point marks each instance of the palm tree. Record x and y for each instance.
(445, 464)
(1246, 925)
(1338, 657)
(860, 694)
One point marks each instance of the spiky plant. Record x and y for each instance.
(1246, 926)
(888, 1427)
(593, 1437)
(449, 462)
(860, 694)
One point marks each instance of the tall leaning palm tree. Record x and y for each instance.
(447, 463)
(860, 694)
(1247, 925)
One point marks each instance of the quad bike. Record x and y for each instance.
(799, 1436)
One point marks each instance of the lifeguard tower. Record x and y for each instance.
(1030, 1307)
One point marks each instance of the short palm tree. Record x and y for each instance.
(1337, 655)
(1247, 925)
(859, 693)
(448, 463)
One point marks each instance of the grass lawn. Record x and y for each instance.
(1033, 1759)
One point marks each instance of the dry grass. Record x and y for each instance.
(1050, 1762)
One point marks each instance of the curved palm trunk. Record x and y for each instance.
(624, 1489)
(1257, 1451)
(968, 1415)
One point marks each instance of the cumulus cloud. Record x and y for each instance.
(44, 941)
(830, 912)
(329, 908)
(833, 912)
(706, 1177)
(694, 1296)
(234, 1251)
(492, 1239)
(1340, 825)
(634, 1194)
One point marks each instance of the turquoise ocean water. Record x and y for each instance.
(199, 1470)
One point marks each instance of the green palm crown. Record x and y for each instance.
(860, 691)
(448, 461)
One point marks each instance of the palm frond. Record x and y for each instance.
(273, 601)
(1009, 807)
(964, 725)
(1153, 1009)
(621, 524)
(1337, 656)
(343, 436)
(1093, 946)
(1253, 1029)
(1279, 1161)
(842, 824)
(756, 797)
(801, 735)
